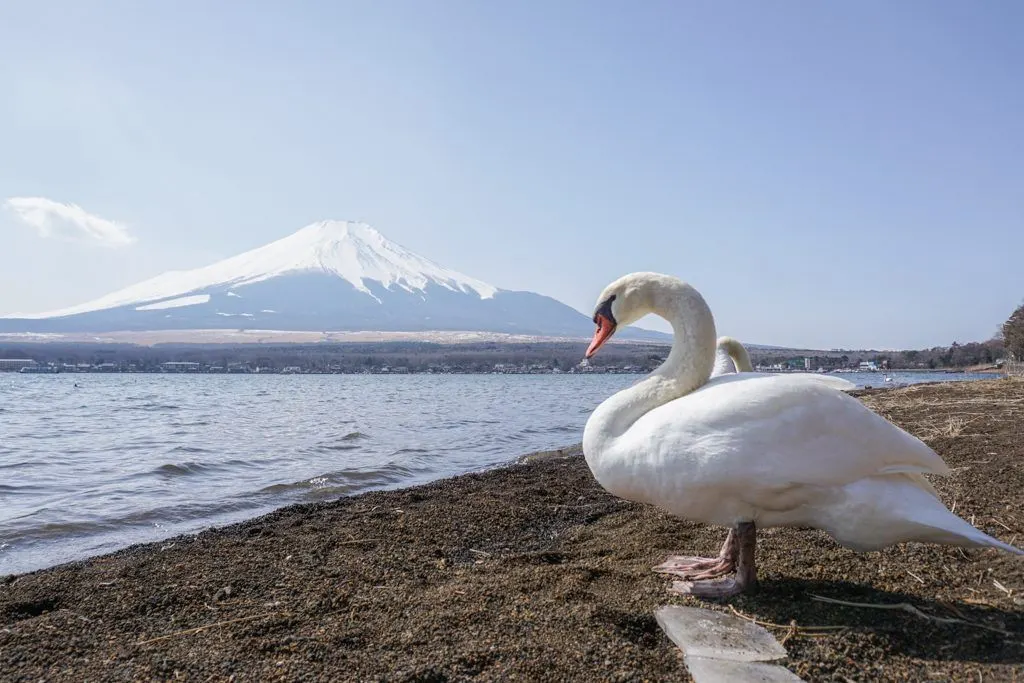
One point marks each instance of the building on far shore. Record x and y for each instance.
(16, 364)
(180, 366)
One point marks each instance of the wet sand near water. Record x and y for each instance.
(533, 572)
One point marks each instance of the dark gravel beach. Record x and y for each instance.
(532, 572)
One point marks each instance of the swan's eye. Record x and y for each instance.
(605, 311)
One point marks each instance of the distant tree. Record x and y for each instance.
(1013, 333)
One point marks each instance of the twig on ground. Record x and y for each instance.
(793, 629)
(204, 628)
(792, 626)
(1001, 524)
(907, 607)
(357, 541)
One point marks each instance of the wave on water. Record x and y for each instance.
(117, 529)
(189, 449)
(338, 447)
(16, 465)
(348, 442)
(43, 532)
(151, 407)
(14, 490)
(553, 429)
(143, 396)
(186, 469)
(343, 482)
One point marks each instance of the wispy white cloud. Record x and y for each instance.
(68, 221)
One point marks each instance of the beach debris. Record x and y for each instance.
(910, 609)
(792, 629)
(722, 647)
(915, 576)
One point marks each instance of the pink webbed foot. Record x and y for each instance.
(708, 578)
(716, 588)
(695, 568)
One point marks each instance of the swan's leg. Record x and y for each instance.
(703, 567)
(745, 578)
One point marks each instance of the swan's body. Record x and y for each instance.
(752, 449)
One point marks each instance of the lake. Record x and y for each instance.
(121, 459)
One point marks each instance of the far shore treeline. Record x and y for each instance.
(422, 357)
(533, 357)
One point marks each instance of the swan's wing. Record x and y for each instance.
(777, 432)
(796, 377)
(830, 381)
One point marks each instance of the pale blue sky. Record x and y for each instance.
(827, 174)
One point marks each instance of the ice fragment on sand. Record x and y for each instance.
(705, 670)
(714, 635)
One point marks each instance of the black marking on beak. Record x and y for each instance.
(605, 309)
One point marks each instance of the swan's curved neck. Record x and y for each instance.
(687, 367)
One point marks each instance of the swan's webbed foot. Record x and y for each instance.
(696, 568)
(715, 588)
(711, 582)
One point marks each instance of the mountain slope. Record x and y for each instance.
(328, 276)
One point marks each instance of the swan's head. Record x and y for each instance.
(623, 302)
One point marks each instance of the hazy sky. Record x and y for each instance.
(827, 174)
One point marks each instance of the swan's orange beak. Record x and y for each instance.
(605, 329)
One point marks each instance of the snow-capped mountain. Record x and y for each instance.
(328, 276)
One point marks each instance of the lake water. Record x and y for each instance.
(122, 459)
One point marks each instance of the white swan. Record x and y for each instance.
(751, 449)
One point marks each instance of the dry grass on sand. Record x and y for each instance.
(532, 572)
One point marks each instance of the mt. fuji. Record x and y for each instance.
(328, 276)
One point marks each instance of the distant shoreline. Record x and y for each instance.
(523, 370)
(384, 353)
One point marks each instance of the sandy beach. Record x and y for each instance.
(533, 572)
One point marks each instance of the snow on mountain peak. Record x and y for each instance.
(352, 251)
(356, 252)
